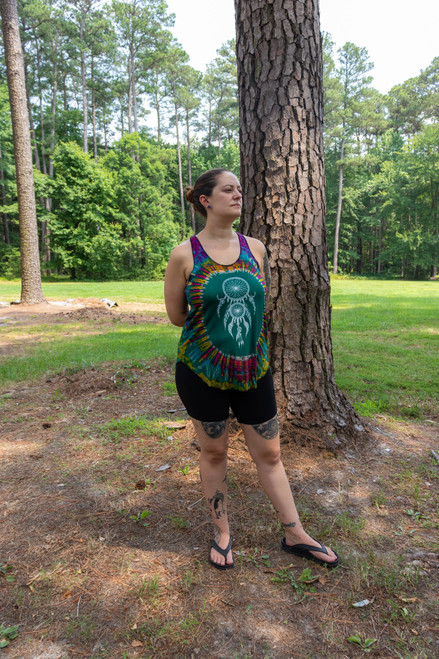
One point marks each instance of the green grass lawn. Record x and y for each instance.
(128, 291)
(385, 339)
(386, 345)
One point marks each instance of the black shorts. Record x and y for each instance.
(206, 403)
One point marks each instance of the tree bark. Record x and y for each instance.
(130, 89)
(189, 167)
(180, 173)
(157, 109)
(339, 205)
(31, 291)
(40, 96)
(282, 170)
(93, 112)
(31, 123)
(3, 202)
(84, 88)
(133, 82)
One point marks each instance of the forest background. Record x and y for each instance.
(110, 189)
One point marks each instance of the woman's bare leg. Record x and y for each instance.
(264, 445)
(214, 441)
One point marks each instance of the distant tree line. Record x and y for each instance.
(110, 191)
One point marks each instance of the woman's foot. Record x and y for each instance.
(323, 555)
(220, 555)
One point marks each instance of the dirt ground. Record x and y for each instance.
(104, 534)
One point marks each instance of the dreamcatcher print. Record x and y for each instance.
(237, 299)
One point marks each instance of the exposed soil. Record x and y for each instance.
(104, 554)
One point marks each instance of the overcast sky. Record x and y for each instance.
(401, 37)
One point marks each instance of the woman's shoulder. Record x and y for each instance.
(182, 252)
(257, 248)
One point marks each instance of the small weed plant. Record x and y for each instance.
(302, 586)
(7, 634)
(365, 644)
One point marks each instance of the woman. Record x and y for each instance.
(215, 288)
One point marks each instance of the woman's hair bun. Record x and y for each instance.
(204, 185)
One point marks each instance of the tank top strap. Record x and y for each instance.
(245, 249)
(197, 251)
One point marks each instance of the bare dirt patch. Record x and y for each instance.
(93, 312)
(104, 536)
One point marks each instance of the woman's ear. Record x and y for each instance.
(204, 201)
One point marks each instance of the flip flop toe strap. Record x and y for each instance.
(221, 551)
(322, 548)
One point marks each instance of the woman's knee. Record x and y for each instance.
(269, 457)
(215, 455)
(213, 437)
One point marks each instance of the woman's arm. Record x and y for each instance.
(260, 253)
(177, 273)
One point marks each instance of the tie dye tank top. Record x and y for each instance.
(224, 339)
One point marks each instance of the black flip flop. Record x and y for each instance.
(305, 552)
(224, 552)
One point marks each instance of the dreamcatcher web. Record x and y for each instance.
(236, 302)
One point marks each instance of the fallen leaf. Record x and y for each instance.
(136, 644)
(175, 425)
(408, 600)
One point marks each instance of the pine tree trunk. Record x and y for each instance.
(281, 135)
(189, 168)
(380, 246)
(133, 81)
(157, 109)
(339, 205)
(84, 91)
(3, 202)
(42, 125)
(31, 291)
(180, 173)
(130, 89)
(31, 123)
(93, 112)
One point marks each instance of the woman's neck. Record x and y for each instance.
(218, 231)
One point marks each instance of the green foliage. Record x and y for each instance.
(112, 219)
(302, 586)
(83, 224)
(10, 261)
(144, 205)
(365, 644)
(7, 634)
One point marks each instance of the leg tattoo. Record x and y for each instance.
(291, 525)
(217, 504)
(214, 429)
(267, 430)
(216, 534)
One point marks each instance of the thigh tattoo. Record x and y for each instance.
(214, 429)
(267, 430)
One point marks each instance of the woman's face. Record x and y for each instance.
(226, 197)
